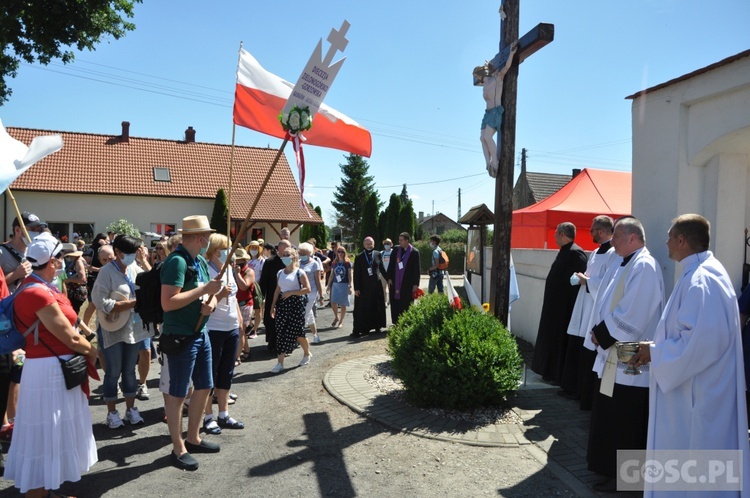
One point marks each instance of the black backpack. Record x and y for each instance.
(148, 296)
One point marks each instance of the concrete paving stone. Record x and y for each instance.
(508, 439)
(521, 439)
(503, 428)
(578, 467)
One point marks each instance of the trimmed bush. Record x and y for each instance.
(456, 252)
(453, 359)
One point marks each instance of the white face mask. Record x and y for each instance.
(128, 259)
(32, 236)
(432, 245)
(253, 252)
(387, 247)
(222, 256)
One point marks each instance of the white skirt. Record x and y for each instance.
(53, 441)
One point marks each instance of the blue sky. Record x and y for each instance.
(407, 78)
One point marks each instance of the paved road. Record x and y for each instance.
(299, 441)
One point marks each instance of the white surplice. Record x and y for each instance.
(697, 395)
(596, 268)
(630, 303)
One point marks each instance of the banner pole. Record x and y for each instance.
(249, 216)
(18, 214)
(231, 157)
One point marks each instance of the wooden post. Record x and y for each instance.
(506, 152)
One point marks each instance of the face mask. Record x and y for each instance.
(128, 259)
(203, 250)
(304, 259)
(287, 260)
(387, 247)
(223, 256)
(432, 245)
(253, 252)
(32, 236)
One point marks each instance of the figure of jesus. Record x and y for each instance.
(491, 80)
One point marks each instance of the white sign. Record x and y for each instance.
(319, 73)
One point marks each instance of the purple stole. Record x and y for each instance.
(400, 271)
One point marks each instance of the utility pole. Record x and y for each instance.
(459, 205)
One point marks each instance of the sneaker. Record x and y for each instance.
(114, 421)
(142, 393)
(305, 360)
(133, 417)
(278, 368)
(233, 396)
(316, 339)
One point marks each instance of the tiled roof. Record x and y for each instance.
(103, 164)
(544, 185)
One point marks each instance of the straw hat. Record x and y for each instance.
(111, 322)
(71, 250)
(241, 255)
(195, 224)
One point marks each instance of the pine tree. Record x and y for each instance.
(391, 222)
(349, 197)
(381, 228)
(406, 220)
(219, 214)
(369, 226)
(320, 232)
(404, 195)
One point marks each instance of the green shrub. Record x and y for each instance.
(453, 359)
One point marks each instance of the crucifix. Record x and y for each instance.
(517, 50)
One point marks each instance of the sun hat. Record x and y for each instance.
(113, 321)
(241, 254)
(254, 243)
(44, 247)
(71, 250)
(195, 224)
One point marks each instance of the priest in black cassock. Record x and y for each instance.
(559, 299)
(369, 301)
(403, 276)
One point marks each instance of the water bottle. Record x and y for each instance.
(20, 359)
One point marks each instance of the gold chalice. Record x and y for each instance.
(625, 353)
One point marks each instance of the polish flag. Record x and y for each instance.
(260, 96)
(453, 298)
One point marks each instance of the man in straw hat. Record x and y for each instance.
(188, 297)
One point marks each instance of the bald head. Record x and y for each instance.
(283, 244)
(369, 243)
(106, 254)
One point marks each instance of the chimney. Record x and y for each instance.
(421, 215)
(576, 172)
(125, 137)
(190, 135)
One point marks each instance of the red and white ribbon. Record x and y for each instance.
(299, 155)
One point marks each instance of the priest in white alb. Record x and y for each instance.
(578, 379)
(627, 309)
(697, 377)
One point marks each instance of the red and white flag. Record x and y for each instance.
(453, 298)
(260, 96)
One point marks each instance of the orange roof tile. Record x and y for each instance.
(92, 164)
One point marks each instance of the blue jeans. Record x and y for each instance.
(120, 359)
(193, 363)
(436, 280)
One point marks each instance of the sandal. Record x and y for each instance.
(237, 362)
(211, 427)
(230, 423)
(245, 356)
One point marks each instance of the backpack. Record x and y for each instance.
(148, 296)
(443, 260)
(10, 337)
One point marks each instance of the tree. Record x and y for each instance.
(369, 226)
(406, 220)
(349, 197)
(123, 227)
(37, 30)
(219, 214)
(317, 232)
(404, 196)
(381, 228)
(391, 222)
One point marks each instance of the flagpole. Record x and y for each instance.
(231, 157)
(249, 216)
(18, 214)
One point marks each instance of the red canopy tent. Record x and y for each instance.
(591, 193)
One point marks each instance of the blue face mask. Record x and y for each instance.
(222, 256)
(387, 247)
(203, 250)
(128, 259)
(304, 259)
(287, 260)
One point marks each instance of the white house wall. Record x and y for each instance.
(532, 267)
(691, 141)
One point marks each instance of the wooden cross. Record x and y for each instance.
(532, 41)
